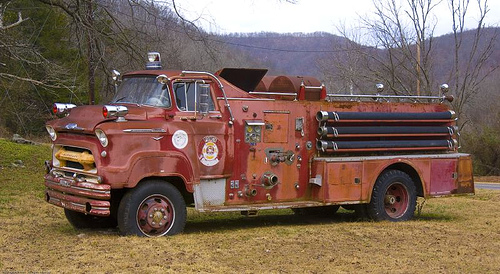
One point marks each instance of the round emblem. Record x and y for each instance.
(208, 151)
(180, 139)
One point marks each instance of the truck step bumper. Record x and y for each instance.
(82, 197)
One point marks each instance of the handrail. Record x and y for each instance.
(379, 96)
(231, 119)
(273, 93)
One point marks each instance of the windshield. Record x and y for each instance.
(143, 90)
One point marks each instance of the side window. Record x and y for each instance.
(187, 96)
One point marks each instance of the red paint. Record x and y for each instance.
(218, 150)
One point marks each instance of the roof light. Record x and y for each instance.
(62, 109)
(115, 111)
(154, 60)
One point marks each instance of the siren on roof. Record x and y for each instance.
(154, 60)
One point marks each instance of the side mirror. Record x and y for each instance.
(162, 79)
(204, 97)
(116, 75)
(117, 78)
(444, 88)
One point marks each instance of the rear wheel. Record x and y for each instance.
(154, 208)
(81, 221)
(393, 198)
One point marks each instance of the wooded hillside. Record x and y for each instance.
(64, 51)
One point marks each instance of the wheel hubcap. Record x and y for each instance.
(396, 200)
(155, 215)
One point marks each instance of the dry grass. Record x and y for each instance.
(451, 235)
(487, 179)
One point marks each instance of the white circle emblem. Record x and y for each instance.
(180, 139)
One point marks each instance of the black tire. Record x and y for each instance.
(83, 221)
(316, 211)
(154, 208)
(394, 197)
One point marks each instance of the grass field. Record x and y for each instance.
(451, 235)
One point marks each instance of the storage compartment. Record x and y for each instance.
(443, 176)
(343, 181)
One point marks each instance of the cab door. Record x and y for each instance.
(199, 121)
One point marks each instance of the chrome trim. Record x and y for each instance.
(231, 119)
(63, 109)
(90, 190)
(100, 208)
(277, 111)
(75, 171)
(145, 130)
(368, 158)
(73, 126)
(246, 99)
(273, 93)
(376, 96)
(313, 87)
(255, 123)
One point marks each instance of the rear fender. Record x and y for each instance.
(398, 164)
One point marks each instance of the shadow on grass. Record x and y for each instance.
(435, 217)
(68, 230)
(218, 224)
(222, 224)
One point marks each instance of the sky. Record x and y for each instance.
(227, 16)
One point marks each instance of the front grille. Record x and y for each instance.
(76, 158)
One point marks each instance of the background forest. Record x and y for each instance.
(64, 51)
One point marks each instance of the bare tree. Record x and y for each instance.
(406, 37)
(470, 64)
(402, 53)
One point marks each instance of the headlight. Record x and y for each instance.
(51, 132)
(102, 137)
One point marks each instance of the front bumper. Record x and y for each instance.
(78, 195)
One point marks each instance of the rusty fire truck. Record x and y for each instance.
(238, 140)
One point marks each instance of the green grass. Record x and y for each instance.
(16, 182)
(33, 156)
(458, 235)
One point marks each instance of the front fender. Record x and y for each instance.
(173, 164)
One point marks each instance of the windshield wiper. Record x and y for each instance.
(118, 100)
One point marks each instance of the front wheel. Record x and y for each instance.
(153, 209)
(393, 198)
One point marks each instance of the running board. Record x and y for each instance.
(266, 206)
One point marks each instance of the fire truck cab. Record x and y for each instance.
(238, 140)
